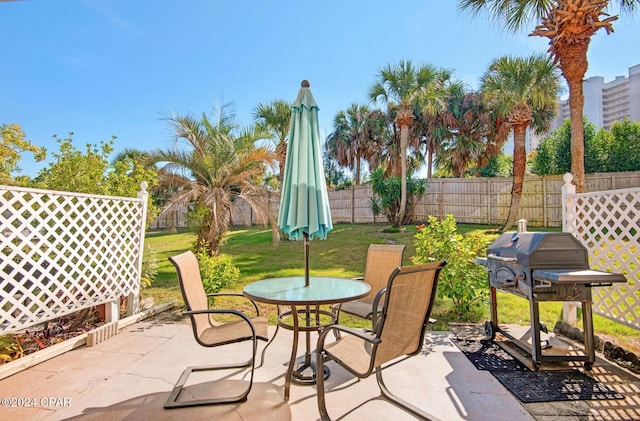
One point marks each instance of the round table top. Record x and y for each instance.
(321, 290)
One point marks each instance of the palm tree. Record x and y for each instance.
(352, 140)
(569, 25)
(524, 92)
(470, 133)
(408, 88)
(463, 132)
(218, 164)
(275, 118)
(432, 124)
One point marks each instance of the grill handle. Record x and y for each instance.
(502, 259)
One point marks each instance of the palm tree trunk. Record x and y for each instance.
(519, 167)
(404, 140)
(281, 154)
(404, 119)
(573, 65)
(576, 105)
(429, 162)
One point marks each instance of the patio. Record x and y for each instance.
(130, 375)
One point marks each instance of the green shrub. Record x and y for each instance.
(10, 348)
(217, 272)
(462, 280)
(386, 196)
(149, 266)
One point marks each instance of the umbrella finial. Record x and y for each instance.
(304, 84)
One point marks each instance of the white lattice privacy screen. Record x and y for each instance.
(62, 252)
(608, 225)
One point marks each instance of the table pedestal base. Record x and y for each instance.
(304, 371)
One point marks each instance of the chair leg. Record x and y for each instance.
(172, 401)
(322, 405)
(400, 402)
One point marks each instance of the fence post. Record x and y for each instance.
(353, 204)
(488, 199)
(134, 298)
(569, 308)
(567, 188)
(545, 220)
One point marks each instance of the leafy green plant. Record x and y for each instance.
(10, 348)
(149, 266)
(462, 280)
(386, 198)
(217, 272)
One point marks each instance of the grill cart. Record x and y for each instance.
(543, 266)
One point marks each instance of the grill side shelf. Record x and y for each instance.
(591, 277)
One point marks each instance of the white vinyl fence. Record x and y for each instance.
(607, 223)
(62, 252)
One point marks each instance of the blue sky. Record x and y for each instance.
(119, 67)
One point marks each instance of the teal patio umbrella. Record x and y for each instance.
(304, 204)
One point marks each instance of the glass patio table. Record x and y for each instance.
(290, 291)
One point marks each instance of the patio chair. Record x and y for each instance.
(398, 335)
(382, 259)
(211, 333)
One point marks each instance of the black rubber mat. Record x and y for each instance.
(486, 355)
(553, 385)
(532, 386)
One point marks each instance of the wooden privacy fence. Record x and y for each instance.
(62, 252)
(469, 200)
(607, 223)
(479, 200)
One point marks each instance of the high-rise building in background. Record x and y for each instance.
(604, 102)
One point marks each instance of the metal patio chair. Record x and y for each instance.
(398, 334)
(210, 333)
(382, 259)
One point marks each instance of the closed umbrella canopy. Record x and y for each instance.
(304, 204)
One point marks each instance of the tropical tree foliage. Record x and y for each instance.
(213, 164)
(275, 119)
(12, 145)
(353, 138)
(522, 90)
(470, 133)
(334, 174)
(569, 26)
(409, 88)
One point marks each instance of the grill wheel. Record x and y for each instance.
(489, 330)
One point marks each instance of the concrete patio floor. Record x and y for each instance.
(130, 375)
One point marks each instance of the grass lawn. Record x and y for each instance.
(343, 255)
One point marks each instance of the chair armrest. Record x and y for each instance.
(235, 294)
(216, 311)
(346, 329)
(240, 314)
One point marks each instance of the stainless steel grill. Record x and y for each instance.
(544, 266)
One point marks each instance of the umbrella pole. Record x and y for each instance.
(306, 259)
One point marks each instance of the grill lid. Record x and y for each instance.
(540, 249)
